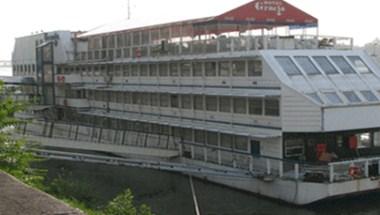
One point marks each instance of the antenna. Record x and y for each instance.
(129, 10)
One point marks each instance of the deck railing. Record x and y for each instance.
(220, 44)
(268, 168)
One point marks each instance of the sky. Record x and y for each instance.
(352, 18)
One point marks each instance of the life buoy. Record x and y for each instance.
(61, 79)
(354, 171)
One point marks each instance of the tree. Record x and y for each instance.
(123, 205)
(15, 158)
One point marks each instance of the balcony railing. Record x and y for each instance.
(265, 167)
(221, 44)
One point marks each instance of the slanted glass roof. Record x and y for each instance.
(359, 64)
(351, 97)
(369, 96)
(325, 65)
(315, 97)
(307, 65)
(333, 98)
(288, 65)
(343, 65)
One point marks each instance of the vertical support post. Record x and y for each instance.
(331, 173)
(251, 163)
(268, 167)
(366, 169)
(281, 169)
(378, 167)
(296, 171)
(77, 132)
(192, 152)
(205, 153)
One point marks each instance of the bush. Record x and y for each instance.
(123, 205)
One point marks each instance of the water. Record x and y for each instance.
(5, 71)
(170, 194)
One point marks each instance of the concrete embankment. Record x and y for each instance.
(17, 198)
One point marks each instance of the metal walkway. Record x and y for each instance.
(157, 165)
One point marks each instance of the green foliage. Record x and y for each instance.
(123, 205)
(63, 187)
(15, 158)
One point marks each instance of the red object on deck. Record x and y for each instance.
(321, 148)
(353, 142)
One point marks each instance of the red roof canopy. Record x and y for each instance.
(268, 12)
(257, 14)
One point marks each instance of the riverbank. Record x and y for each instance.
(17, 198)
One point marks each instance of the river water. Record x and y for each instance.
(5, 71)
(170, 194)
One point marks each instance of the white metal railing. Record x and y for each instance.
(261, 166)
(227, 44)
(354, 169)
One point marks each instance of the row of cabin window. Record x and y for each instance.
(239, 105)
(27, 68)
(239, 68)
(228, 141)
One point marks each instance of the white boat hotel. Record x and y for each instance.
(253, 98)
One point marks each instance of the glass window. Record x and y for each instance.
(315, 97)
(154, 99)
(200, 136)
(333, 98)
(307, 66)
(226, 140)
(225, 104)
(135, 70)
(197, 69)
(210, 69)
(212, 138)
(255, 68)
(186, 101)
(136, 98)
(163, 69)
(369, 96)
(343, 65)
(211, 103)
(241, 143)
(325, 65)
(164, 100)
(256, 106)
(144, 70)
(145, 100)
(359, 64)
(152, 70)
(174, 69)
(185, 69)
(174, 101)
(351, 96)
(238, 68)
(198, 102)
(224, 69)
(128, 98)
(287, 65)
(240, 105)
(272, 107)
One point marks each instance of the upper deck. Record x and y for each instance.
(257, 25)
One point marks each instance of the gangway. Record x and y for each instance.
(141, 163)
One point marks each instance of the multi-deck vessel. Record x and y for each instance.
(246, 99)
